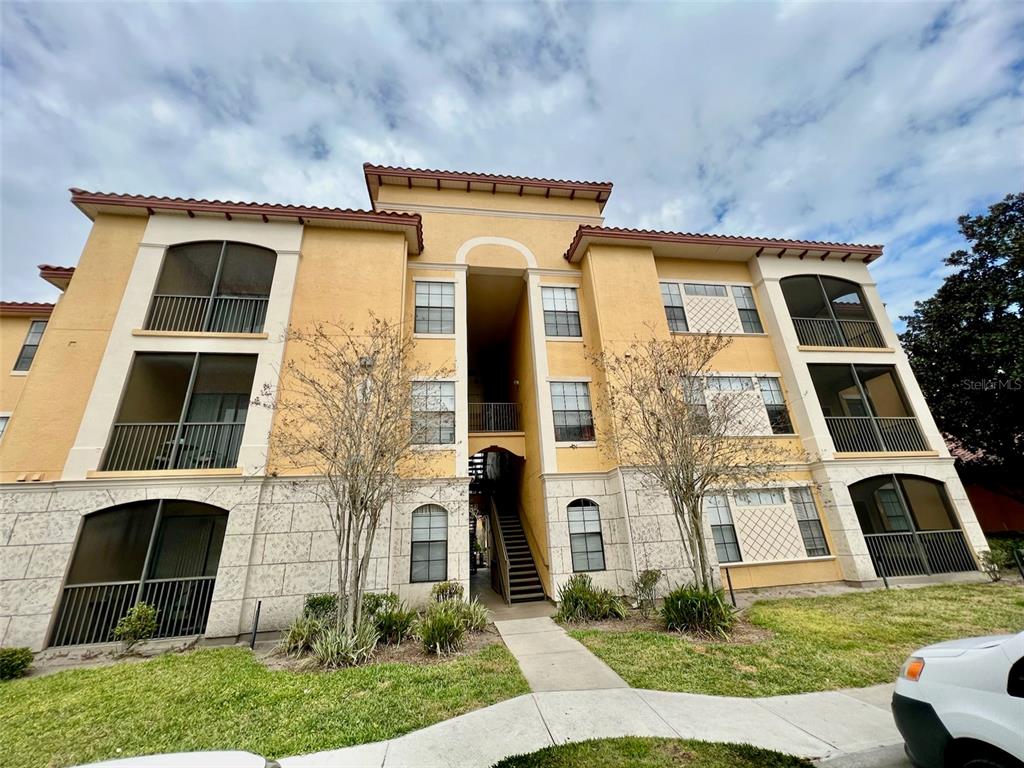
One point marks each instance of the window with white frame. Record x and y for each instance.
(810, 523)
(745, 305)
(570, 404)
(3, 424)
(727, 546)
(28, 349)
(585, 540)
(672, 300)
(429, 561)
(435, 307)
(433, 412)
(561, 311)
(704, 289)
(729, 383)
(693, 395)
(760, 497)
(775, 405)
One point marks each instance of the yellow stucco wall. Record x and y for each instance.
(50, 408)
(755, 575)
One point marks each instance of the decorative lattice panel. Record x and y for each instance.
(768, 533)
(712, 314)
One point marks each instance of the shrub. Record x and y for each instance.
(301, 634)
(323, 607)
(136, 625)
(700, 611)
(645, 589)
(14, 662)
(990, 566)
(333, 648)
(443, 627)
(475, 615)
(395, 624)
(447, 590)
(1002, 550)
(376, 603)
(580, 600)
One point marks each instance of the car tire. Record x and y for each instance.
(990, 758)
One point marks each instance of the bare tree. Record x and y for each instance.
(685, 428)
(343, 414)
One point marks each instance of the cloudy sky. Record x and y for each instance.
(874, 123)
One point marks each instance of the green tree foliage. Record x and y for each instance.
(966, 343)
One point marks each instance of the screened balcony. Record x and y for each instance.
(181, 411)
(865, 409)
(909, 526)
(829, 312)
(212, 287)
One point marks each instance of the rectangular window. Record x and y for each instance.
(435, 307)
(570, 402)
(561, 312)
(729, 383)
(674, 311)
(809, 522)
(716, 507)
(28, 349)
(429, 544)
(775, 404)
(433, 412)
(703, 289)
(745, 305)
(892, 507)
(585, 536)
(693, 394)
(761, 497)
(3, 425)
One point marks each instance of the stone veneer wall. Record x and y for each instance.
(279, 546)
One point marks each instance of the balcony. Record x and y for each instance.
(181, 411)
(494, 417)
(829, 312)
(865, 434)
(826, 332)
(212, 287)
(866, 410)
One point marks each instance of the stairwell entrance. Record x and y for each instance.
(509, 572)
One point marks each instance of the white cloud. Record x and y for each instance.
(837, 121)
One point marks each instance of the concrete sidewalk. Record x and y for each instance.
(553, 661)
(813, 725)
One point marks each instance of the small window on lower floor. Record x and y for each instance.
(727, 546)
(3, 425)
(429, 544)
(810, 524)
(585, 539)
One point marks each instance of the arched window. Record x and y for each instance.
(585, 539)
(213, 286)
(429, 544)
(829, 312)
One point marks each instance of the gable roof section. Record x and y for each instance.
(92, 203)
(378, 175)
(26, 308)
(742, 247)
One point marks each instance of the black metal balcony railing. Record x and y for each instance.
(494, 417)
(205, 445)
(826, 332)
(89, 612)
(916, 553)
(196, 314)
(865, 434)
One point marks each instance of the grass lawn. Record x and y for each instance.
(652, 753)
(226, 699)
(817, 643)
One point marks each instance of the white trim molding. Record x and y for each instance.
(475, 242)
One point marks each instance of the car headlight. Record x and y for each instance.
(912, 669)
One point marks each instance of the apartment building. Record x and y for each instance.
(133, 465)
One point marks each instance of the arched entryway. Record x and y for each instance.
(161, 552)
(910, 526)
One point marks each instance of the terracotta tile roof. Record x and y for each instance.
(35, 308)
(375, 175)
(58, 277)
(55, 268)
(88, 202)
(766, 246)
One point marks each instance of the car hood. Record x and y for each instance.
(952, 648)
(186, 760)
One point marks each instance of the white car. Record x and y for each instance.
(189, 760)
(961, 704)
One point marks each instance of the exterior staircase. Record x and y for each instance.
(523, 579)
